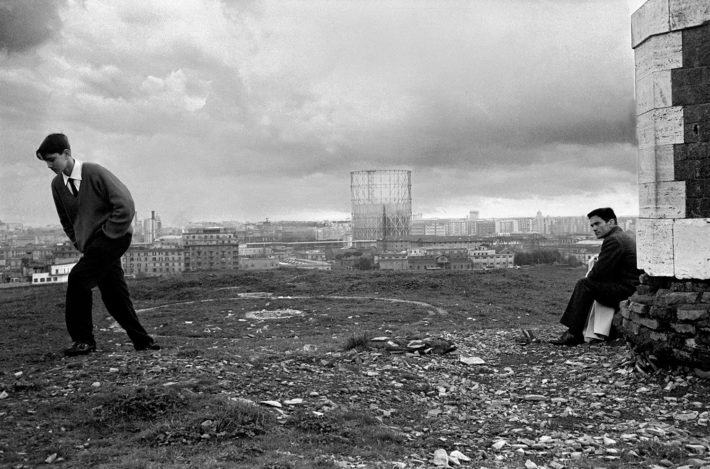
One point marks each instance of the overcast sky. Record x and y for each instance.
(243, 110)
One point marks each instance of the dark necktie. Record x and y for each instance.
(72, 188)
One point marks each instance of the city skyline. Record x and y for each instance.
(245, 111)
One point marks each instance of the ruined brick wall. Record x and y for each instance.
(668, 320)
(668, 316)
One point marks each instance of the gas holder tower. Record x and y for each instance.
(381, 204)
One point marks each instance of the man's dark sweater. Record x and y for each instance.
(103, 204)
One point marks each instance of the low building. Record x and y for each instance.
(305, 264)
(57, 274)
(214, 248)
(258, 263)
(153, 261)
(254, 251)
(441, 259)
(392, 261)
(484, 257)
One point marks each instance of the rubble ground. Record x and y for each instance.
(343, 369)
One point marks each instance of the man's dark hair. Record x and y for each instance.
(605, 213)
(52, 143)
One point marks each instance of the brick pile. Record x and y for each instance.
(668, 321)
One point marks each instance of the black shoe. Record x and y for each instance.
(79, 348)
(568, 339)
(149, 346)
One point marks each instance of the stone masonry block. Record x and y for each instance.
(662, 313)
(681, 77)
(630, 326)
(705, 298)
(656, 163)
(685, 329)
(691, 151)
(696, 188)
(697, 113)
(646, 290)
(697, 207)
(688, 13)
(682, 298)
(655, 90)
(649, 323)
(684, 170)
(696, 132)
(642, 299)
(625, 313)
(639, 308)
(690, 94)
(696, 45)
(662, 200)
(668, 124)
(664, 126)
(652, 18)
(692, 313)
(682, 356)
(658, 336)
(691, 248)
(654, 246)
(659, 53)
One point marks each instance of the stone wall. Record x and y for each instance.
(668, 320)
(671, 41)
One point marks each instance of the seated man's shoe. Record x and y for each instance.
(568, 339)
(148, 346)
(79, 348)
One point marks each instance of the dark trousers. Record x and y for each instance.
(585, 292)
(101, 266)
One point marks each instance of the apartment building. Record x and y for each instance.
(57, 274)
(213, 248)
(153, 261)
(441, 259)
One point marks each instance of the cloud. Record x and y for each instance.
(26, 24)
(268, 105)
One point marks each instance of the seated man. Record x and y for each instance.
(613, 278)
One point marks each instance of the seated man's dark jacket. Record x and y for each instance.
(617, 260)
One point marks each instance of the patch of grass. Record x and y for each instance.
(212, 419)
(653, 450)
(359, 342)
(350, 426)
(137, 405)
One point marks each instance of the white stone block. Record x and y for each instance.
(660, 127)
(654, 246)
(651, 18)
(645, 130)
(688, 13)
(655, 164)
(664, 199)
(662, 89)
(668, 125)
(691, 244)
(653, 91)
(659, 53)
(644, 94)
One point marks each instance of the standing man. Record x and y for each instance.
(96, 212)
(613, 278)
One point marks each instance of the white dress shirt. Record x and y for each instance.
(75, 175)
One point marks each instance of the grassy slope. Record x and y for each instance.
(185, 406)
